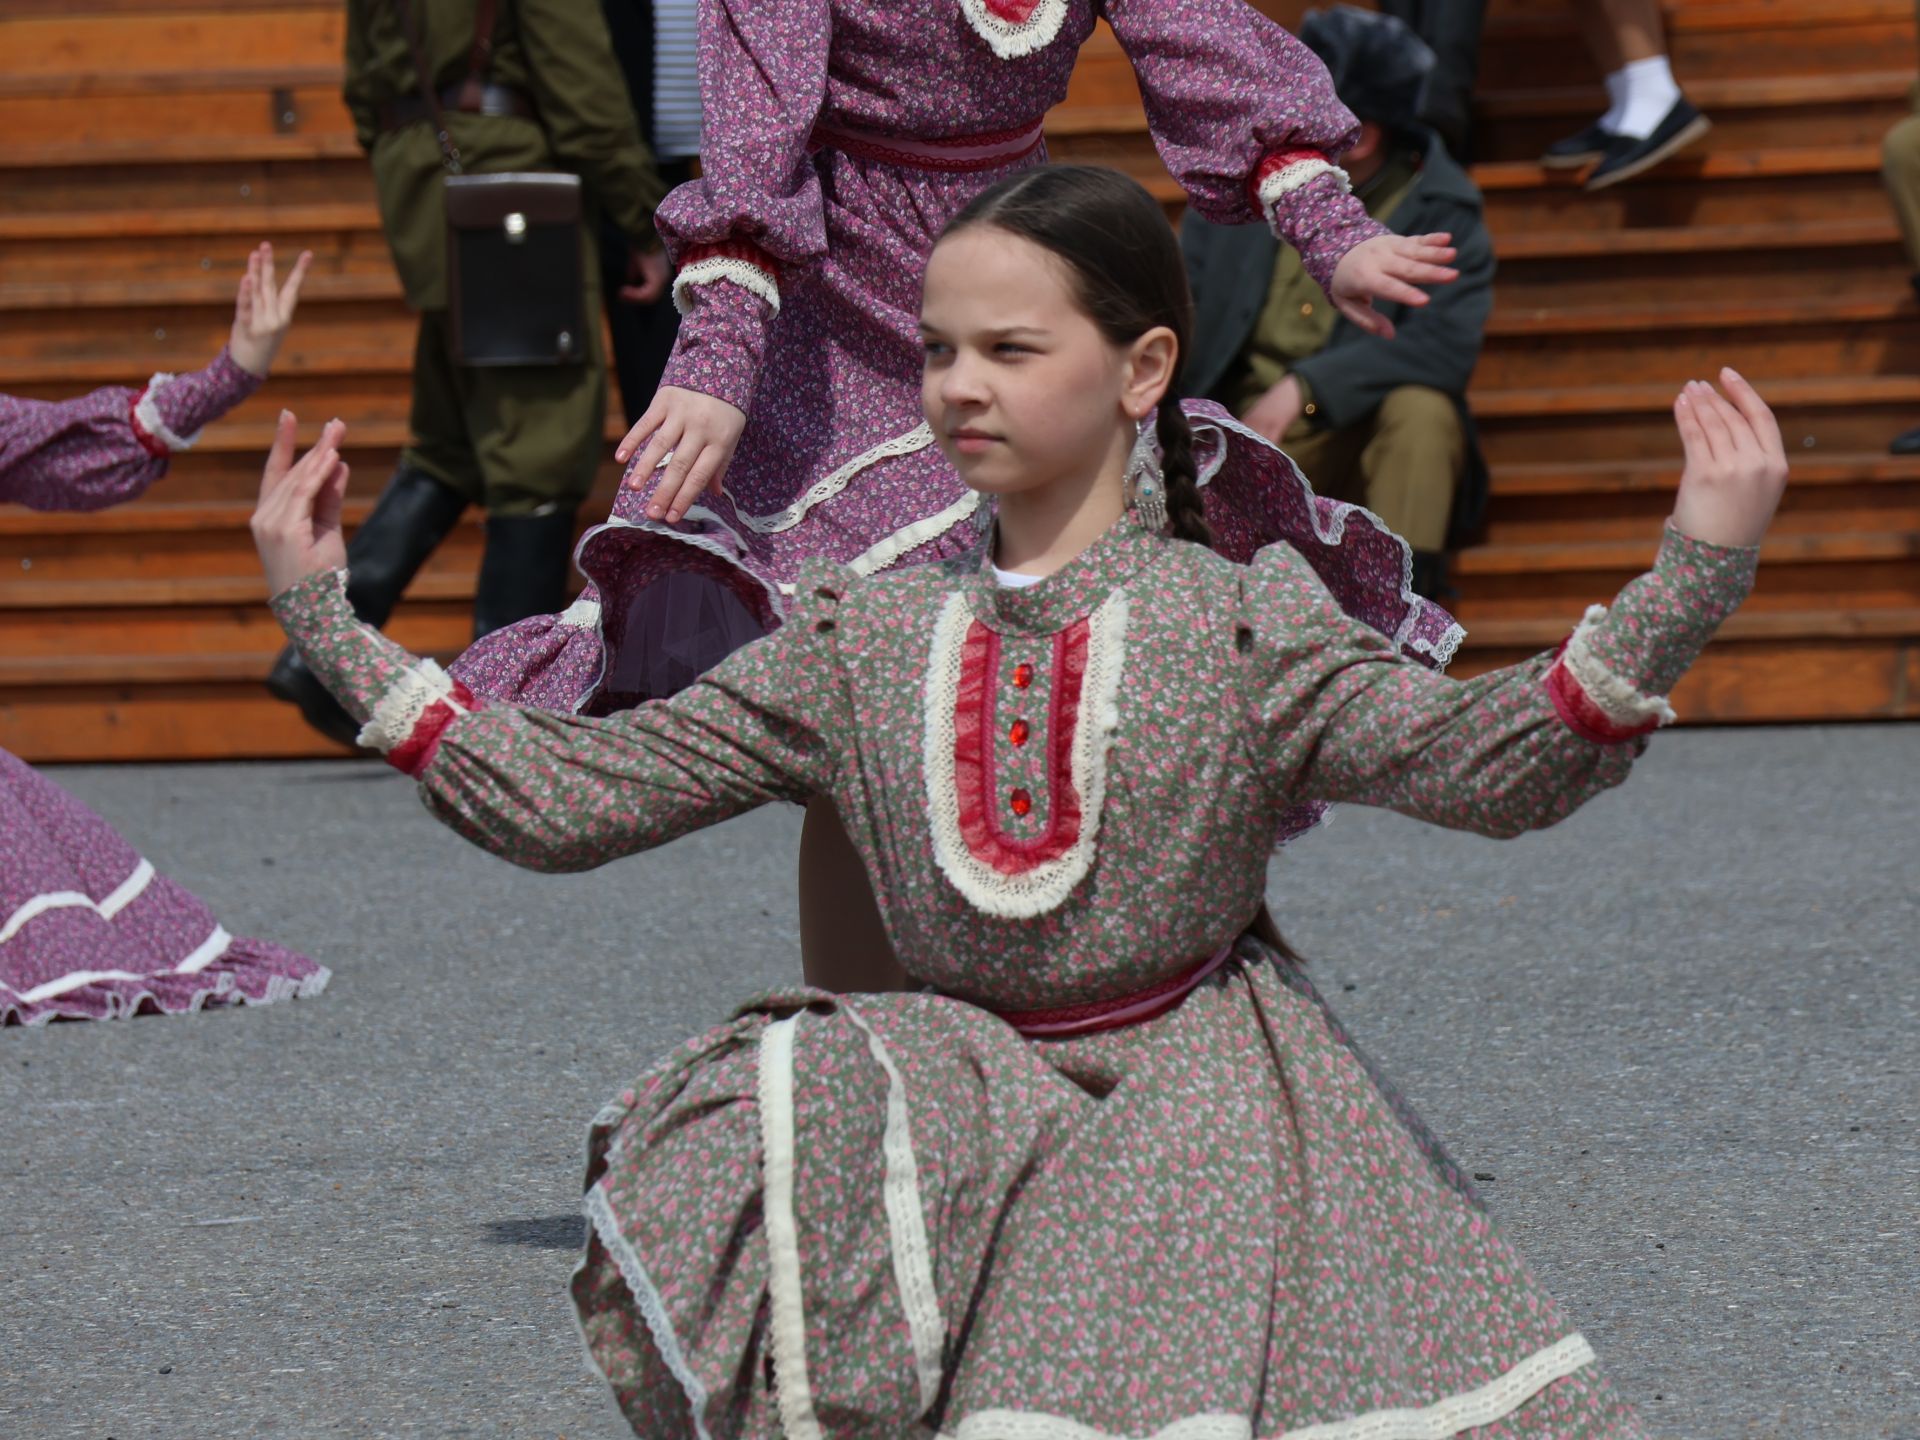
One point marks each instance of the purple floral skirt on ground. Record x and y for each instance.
(89, 930)
(891, 1215)
(837, 460)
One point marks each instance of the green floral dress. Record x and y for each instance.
(1193, 1213)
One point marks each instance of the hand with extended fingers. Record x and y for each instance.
(688, 440)
(1389, 267)
(296, 525)
(1736, 462)
(263, 310)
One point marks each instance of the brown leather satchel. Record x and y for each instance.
(515, 287)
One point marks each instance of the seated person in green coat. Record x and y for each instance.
(1380, 422)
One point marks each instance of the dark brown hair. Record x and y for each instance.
(1127, 275)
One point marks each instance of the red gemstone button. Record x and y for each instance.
(1018, 734)
(1021, 802)
(1022, 676)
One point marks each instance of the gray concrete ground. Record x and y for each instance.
(1681, 1031)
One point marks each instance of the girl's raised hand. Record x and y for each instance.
(689, 439)
(263, 311)
(1736, 462)
(1389, 267)
(296, 525)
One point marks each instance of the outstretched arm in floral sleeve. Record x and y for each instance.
(1339, 715)
(544, 790)
(1246, 119)
(109, 446)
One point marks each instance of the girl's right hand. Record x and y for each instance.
(689, 439)
(1736, 463)
(296, 526)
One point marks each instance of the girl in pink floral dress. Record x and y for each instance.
(1114, 1171)
(88, 929)
(840, 137)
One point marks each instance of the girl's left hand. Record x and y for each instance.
(262, 311)
(1388, 267)
(296, 526)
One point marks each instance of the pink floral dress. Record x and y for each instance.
(841, 136)
(1116, 1171)
(88, 928)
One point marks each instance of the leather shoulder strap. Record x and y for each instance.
(480, 57)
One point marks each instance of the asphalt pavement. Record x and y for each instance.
(1681, 1032)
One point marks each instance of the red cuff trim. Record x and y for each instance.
(745, 251)
(415, 753)
(154, 446)
(1277, 160)
(1581, 715)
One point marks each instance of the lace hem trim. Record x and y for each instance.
(1596, 703)
(124, 894)
(1013, 28)
(653, 1308)
(150, 428)
(1333, 531)
(832, 484)
(1442, 1420)
(582, 614)
(907, 1226)
(911, 537)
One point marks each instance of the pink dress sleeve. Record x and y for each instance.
(108, 447)
(1245, 117)
(754, 215)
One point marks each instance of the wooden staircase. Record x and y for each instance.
(144, 146)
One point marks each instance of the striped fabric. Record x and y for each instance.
(676, 79)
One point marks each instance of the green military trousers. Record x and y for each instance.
(516, 439)
(1900, 167)
(1402, 462)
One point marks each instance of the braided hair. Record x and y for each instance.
(1128, 277)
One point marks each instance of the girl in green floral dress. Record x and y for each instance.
(1113, 1170)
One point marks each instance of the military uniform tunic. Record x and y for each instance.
(521, 437)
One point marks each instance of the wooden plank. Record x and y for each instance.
(1789, 235)
(218, 123)
(1616, 477)
(171, 149)
(182, 40)
(201, 79)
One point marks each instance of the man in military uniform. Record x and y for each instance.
(1381, 422)
(540, 91)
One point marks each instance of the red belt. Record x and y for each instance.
(960, 153)
(1120, 1011)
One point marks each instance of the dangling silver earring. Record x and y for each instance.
(1146, 484)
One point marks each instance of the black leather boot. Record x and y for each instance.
(413, 515)
(524, 571)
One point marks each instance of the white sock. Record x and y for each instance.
(1616, 102)
(1650, 94)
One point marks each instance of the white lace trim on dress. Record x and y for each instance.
(833, 483)
(792, 1389)
(418, 690)
(715, 268)
(1011, 39)
(653, 1309)
(1043, 888)
(582, 614)
(1614, 694)
(122, 895)
(1334, 531)
(907, 1225)
(1290, 178)
(1442, 1420)
(148, 414)
(911, 537)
